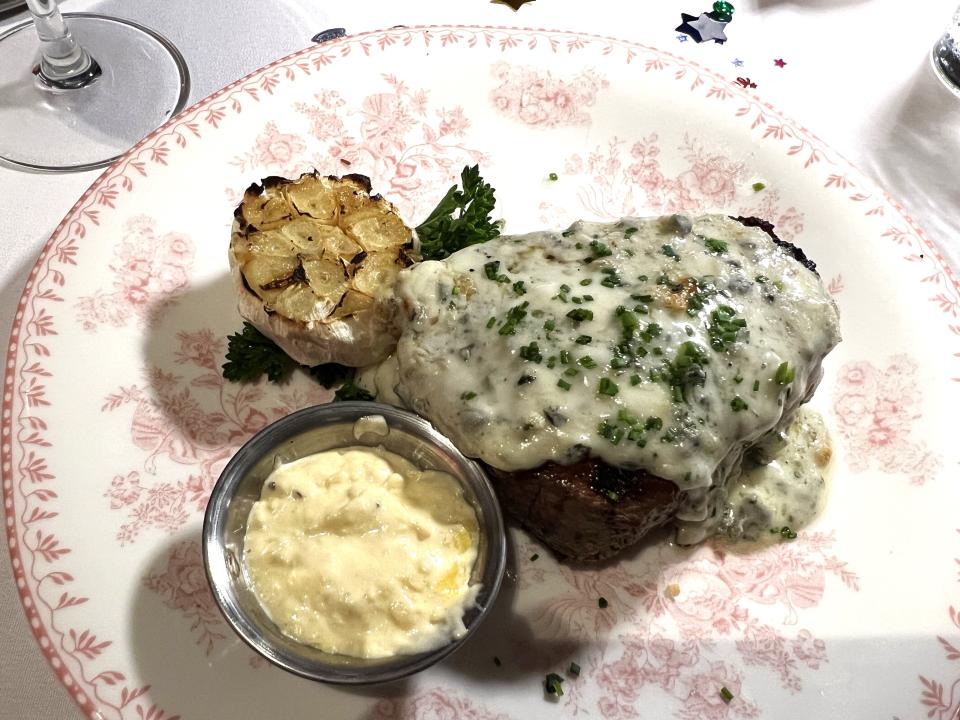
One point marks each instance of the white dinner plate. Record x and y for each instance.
(116, 421)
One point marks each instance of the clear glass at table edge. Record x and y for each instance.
(80, 90)
(946, 55)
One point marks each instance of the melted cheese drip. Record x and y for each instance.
(356, 551)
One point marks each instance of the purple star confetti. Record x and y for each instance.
(737, 62)
(779, 62)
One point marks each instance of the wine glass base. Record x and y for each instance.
(144, 82)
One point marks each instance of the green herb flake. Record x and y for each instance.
(625, 416)
(653, 423)
(492, 271)
(563, 384)
(531, 353)
(587, 362)
(583, 340)
(602, 603)
(491, 322)
(716, 246)
(787, 533)
(586, 281)
(469, 395)
(550, 325)
(574, 669)
(758, 186)
(534, 557)
(514, 316)
(564, 357)
(553, 684)
(580, 314)
(351, 391)
(669, 251)
(634, 379)
(738, 403)
(598, 250)
(785, 374)
(762, 279)
(518, 288)
(630, 231)
(607, 387)
(756, 385)
(725, 694)
(553, 177)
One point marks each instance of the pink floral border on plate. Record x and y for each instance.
(27, 351)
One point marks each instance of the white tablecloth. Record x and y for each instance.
(857, 73)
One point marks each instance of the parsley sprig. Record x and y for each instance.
(251, 354)
(461, 218)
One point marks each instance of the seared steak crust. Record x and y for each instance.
(588, 511)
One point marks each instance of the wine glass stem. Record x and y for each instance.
(63, 62)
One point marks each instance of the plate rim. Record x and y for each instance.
(130, 159)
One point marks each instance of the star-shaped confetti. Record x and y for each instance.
(683, 38)
(703, 28)
(515, 4)
(779, 62)
(737, 62)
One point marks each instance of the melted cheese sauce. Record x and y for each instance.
(783, 483)
(648, 343)
(356, 551)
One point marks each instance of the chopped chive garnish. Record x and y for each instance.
(574, 669)
(738, 403)
(756, 385)
(669, 252)
(531, 353)
(571, 372)
(738, 378)
(550, 325)
(634, 379)
(577, 300)
(551, 361)
(653, 423)
(758, 186)
(564, 357)
(588, 298)
(583, 339)
(564, 288)
(628, 417)
(587, 362)
(785, 374)
(598, 250)
(586, 281)
(629, 231)
(492, 271)
(602, 603)
(607, 387)
(715, 246)
(580, 314)
(618, 363)
(514, 316)
(553, 684)
(553, 177)
(568, 232)
(518, 288)
(526, 379)
(534, 557)
(787, 534)
(725, 694)
(491, 322)
(470, 395)
(612, 495)
(563, 384)
(762, 279)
